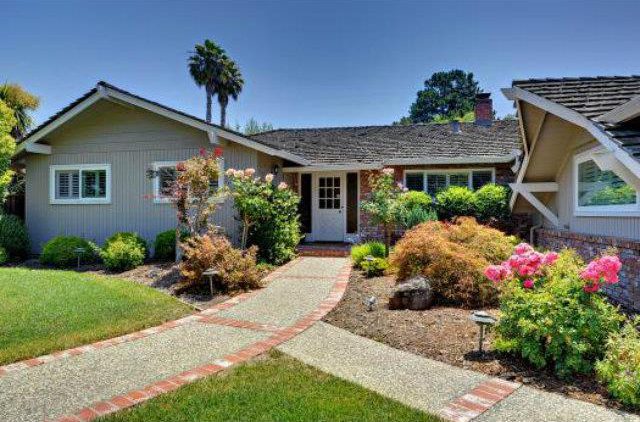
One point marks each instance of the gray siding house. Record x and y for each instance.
(87, 166)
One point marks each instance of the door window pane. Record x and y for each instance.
(329, 192)
(598, 188)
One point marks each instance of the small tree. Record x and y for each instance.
(250, 197)
(195, 195)
(382, 205)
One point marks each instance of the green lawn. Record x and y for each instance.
(42, 311)
(277, 388)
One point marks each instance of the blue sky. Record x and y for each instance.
(310, 63)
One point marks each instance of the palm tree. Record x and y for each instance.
(21, 102)
(205, 65)
(229, 84)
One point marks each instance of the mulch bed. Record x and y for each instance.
(446, 334)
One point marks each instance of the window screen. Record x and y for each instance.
(459, 179)
(436, 182)
(415, 181)
(481, 178)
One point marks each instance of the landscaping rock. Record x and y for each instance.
(415, 294)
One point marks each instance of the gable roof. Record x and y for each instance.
(104, 90)
(597, 100)
(590, 96)
(388, 145)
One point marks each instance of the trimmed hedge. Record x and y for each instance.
(164, 247)
(60, 252)
(122, 254)
(128, 237)
(14, 237)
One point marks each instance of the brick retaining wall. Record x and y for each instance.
(627, 291)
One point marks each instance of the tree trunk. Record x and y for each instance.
(387, 240)
(223, 115)
(209, 100)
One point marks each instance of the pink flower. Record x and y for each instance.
(528, 284)
(268, 178)
(230, 172)
(388, 171)
(203, 152)
(181, 166)
(282, 186)
(497, 273)
(250, 172)
(523, 248)
(591, 288)
(549, 258)
(217, 152)
(238, 173)
(605, 268)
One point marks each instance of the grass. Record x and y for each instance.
(277, 388)
(42, 311)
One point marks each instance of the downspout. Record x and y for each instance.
(532, 232)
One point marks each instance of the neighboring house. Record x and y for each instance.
(88, 167)
(426, 157)
(580, 174)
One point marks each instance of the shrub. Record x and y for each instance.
(122, 254)
(164, 248)
(382, 203)
(237, 269)
(4, 257)
(548, 314)
(455, 201)
(491, 203)
(269, 215)
(620, 368)
(61, 252)
(454, 257)
(128, 237)
(375, 267)
(14, 237)
(414, 208)
(359, 252)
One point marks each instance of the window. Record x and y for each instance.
(80, 184)
(329, 193)
(601, 192)
(433, 181)
(164, 176)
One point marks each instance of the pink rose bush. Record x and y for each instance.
(527, 266)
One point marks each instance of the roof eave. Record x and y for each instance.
(622, 113)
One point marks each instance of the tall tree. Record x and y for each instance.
(205, 65)
(230, 84)
(446, 95)
(21, 102)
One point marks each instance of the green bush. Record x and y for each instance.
(60, 252)
(359, 252)
(455, 201)
(375, 267)
(492, 203)
(164, 248)
(414, 208)
(620, 368)
(122, 254)
(4, 257)
(14, 237)
(558, 324)
(128, 237)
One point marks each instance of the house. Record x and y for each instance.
(88, 167)
(580, 174)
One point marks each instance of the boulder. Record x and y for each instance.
(415, 294)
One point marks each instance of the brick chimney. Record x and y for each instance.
(484, 109)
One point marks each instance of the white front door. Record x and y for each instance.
(328, 207)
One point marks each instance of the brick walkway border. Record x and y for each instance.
(281, 334)
(479, 400)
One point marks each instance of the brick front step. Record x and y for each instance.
(322, 250)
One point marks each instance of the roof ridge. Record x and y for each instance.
(576, 78)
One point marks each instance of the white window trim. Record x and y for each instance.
(626, 210)
(79, 167)
(157, 199)
(448, 171)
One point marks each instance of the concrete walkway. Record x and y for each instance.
(107, 376)
(435, 387)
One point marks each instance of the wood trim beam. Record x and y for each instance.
(523, 190)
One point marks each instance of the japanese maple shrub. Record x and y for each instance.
(268, 213)
(552, 313)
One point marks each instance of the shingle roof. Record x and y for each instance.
(378, 144)
(589, 96)
(592, 97)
